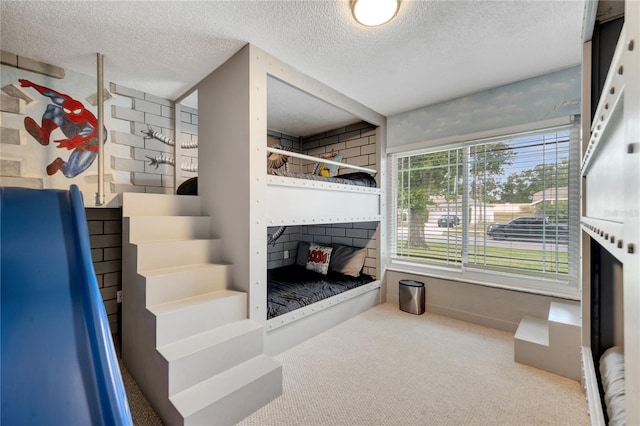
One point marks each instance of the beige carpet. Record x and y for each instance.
(141, 411)
(388, 367)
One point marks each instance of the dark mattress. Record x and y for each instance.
(293, 287)
(355, 178)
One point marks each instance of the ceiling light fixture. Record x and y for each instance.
(374, 12)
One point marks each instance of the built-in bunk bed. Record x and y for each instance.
(322, 275)
(238, 105)
(611, 227)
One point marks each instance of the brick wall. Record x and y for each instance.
(356, 143)
(189, 135)
(286, 141)
(145, 110)
(357, 234)
(288, 241)
(105, 235)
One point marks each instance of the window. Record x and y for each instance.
(503, 206)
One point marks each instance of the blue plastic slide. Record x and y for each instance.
(59, 365)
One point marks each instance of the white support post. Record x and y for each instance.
(100, 95)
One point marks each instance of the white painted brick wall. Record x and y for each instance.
(158, 121)
(10, 167)
(129, 139)
(167, 111)
(146, 179)
(13, 136)
(155, 99)
(149, 110)
(156, 145)
(189, 128)
(125, 91)
(146, 106)
(119, 163)
(188, 133)
(127, 114)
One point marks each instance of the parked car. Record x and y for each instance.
(529, 227)
(448, 220)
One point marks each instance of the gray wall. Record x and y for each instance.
(489, 306)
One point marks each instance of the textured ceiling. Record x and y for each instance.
(432, 51)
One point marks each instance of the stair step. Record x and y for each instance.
(178, 282)
(204, 355)
(565, 313)
(549, 346)
(166, 228)
(186, 317)
(168, 254)
(232, 395)
(533, 330)
(138, 204)
(185, 347)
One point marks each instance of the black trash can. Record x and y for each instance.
(411, 295)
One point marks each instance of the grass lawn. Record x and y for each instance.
(531, 260)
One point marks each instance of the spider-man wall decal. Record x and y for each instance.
(77, 123)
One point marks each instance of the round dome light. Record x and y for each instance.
(374, 12)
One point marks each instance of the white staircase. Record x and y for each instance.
(186, 338)
(553, 343)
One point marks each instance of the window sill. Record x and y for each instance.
(533, 285)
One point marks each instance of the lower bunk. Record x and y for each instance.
(325, 287)
(293, 287)
(295, 327)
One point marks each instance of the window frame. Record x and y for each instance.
(508, 279)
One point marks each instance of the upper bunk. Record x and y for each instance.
(306, 198)
(329, 138)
